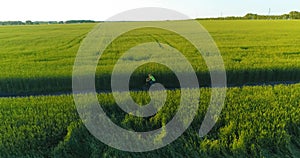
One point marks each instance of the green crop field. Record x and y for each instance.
(256, 121)
(39, 59)
(261, 121)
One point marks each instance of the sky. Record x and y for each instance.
(100, 10)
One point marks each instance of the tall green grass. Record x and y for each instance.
(39, 59)
(261, 121)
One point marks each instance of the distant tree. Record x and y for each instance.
(52, 22)
(79, 21)
(285, 16)
(36, 23)
(12, 23)
(28, 22)
(294, 15)
(251, 16)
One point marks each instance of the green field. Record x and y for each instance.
(257, 121)
(39, 59)
(262, 121)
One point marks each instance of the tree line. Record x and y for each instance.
(29, 22)
(251, 16)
